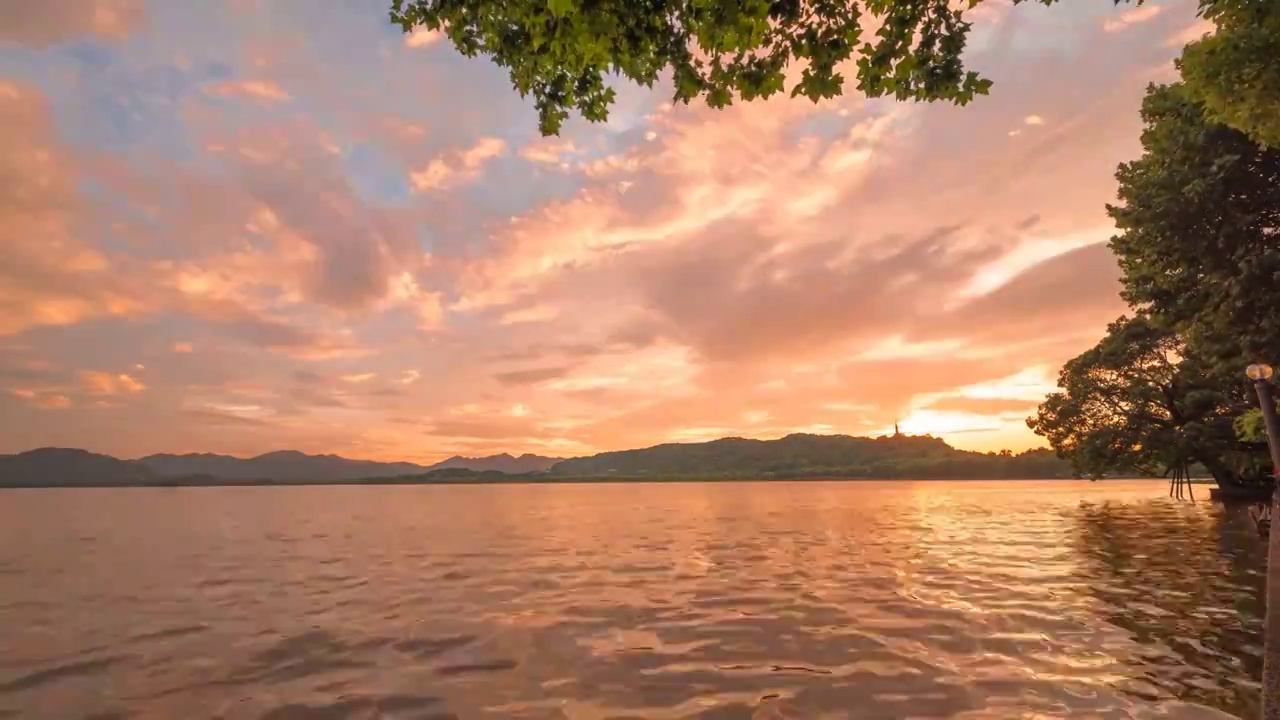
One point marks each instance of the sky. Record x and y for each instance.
(238, 226)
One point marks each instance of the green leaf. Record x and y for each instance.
(561, 8)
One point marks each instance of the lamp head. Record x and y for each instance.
(1259, 371)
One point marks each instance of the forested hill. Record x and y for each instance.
(794, 456)
(799, 455)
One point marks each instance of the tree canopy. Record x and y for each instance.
(560, 51)
(1199, 249)
(1199, 231)
(1140, 399)
(1235, 73)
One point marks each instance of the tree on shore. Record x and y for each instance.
(1198, 244)
(1199, 232)
(1139, 400)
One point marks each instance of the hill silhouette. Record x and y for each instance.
(803, 455)
(504, 463)
(69, 467)
(283, 465)
(794, 456)
(293, 466)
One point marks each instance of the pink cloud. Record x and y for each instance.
(264, 90)
(1191, 33)
(97, 382)
(549, 151)
(1128, 18)
(458, 166)
(421, 38)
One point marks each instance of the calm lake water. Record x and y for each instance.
(715, 601)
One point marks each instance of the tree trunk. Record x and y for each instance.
(1223, 475)
(1225, 478)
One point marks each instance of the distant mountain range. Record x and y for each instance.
(282, 465)
(292, 466)
(53, 467)
(793, 456)
(503, 463)
(71, 467)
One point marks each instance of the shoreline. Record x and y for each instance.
(516, 480)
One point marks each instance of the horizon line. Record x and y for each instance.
(522, 454)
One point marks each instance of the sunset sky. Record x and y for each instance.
(245, 225)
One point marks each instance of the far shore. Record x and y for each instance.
(523, 480)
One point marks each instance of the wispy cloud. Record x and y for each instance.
(457, 167)
(1134, 16)
(255, 89)
(97, 382)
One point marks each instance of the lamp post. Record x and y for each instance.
(1261, 374)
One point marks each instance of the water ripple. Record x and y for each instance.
(36, 679)
(719, 601)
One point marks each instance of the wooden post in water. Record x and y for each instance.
(1261, 376)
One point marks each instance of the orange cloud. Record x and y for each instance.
(42, 398)
(96, 382)
(457, 167)
(53, 402)
(984, 406)
(535, 313)
(49, 275)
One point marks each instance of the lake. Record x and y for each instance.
(682, 600)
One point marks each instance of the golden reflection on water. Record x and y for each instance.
(715, 601)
